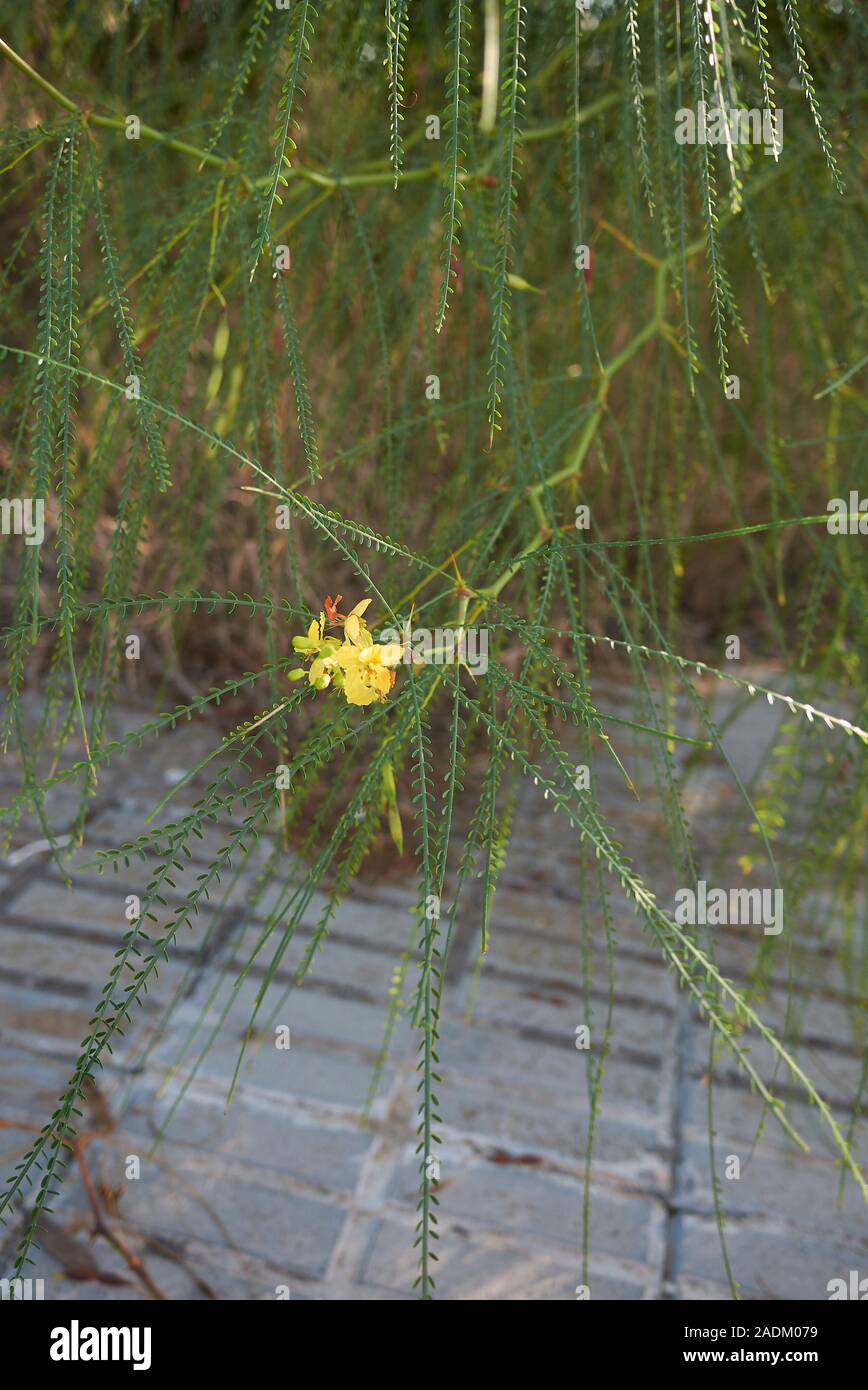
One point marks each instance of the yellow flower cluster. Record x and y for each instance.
(357, 665)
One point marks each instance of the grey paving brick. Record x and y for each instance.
(535, 1205)
(769, 1263)
(187, 1197)
(38, 956)
(740, 1117)
(256, 1128)
(546, 1067)
(41, 1019)
(533, 1129)
(339, 1074)
(640, 1027)
(802, 1191)
(476, 1269)
(88, 912)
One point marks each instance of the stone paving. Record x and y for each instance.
(288, 1190)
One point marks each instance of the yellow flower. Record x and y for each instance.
(359, 666)
(367, 668)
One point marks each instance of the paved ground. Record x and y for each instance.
(287, 1189)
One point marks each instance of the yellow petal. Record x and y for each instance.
(390, 653)
(352, 627)
(380, 678)
(357, 691)
(347, 656)
(360, 608)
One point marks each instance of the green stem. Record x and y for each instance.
(35, 77)
(146, 132)
(573, 465)
(360, 180)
